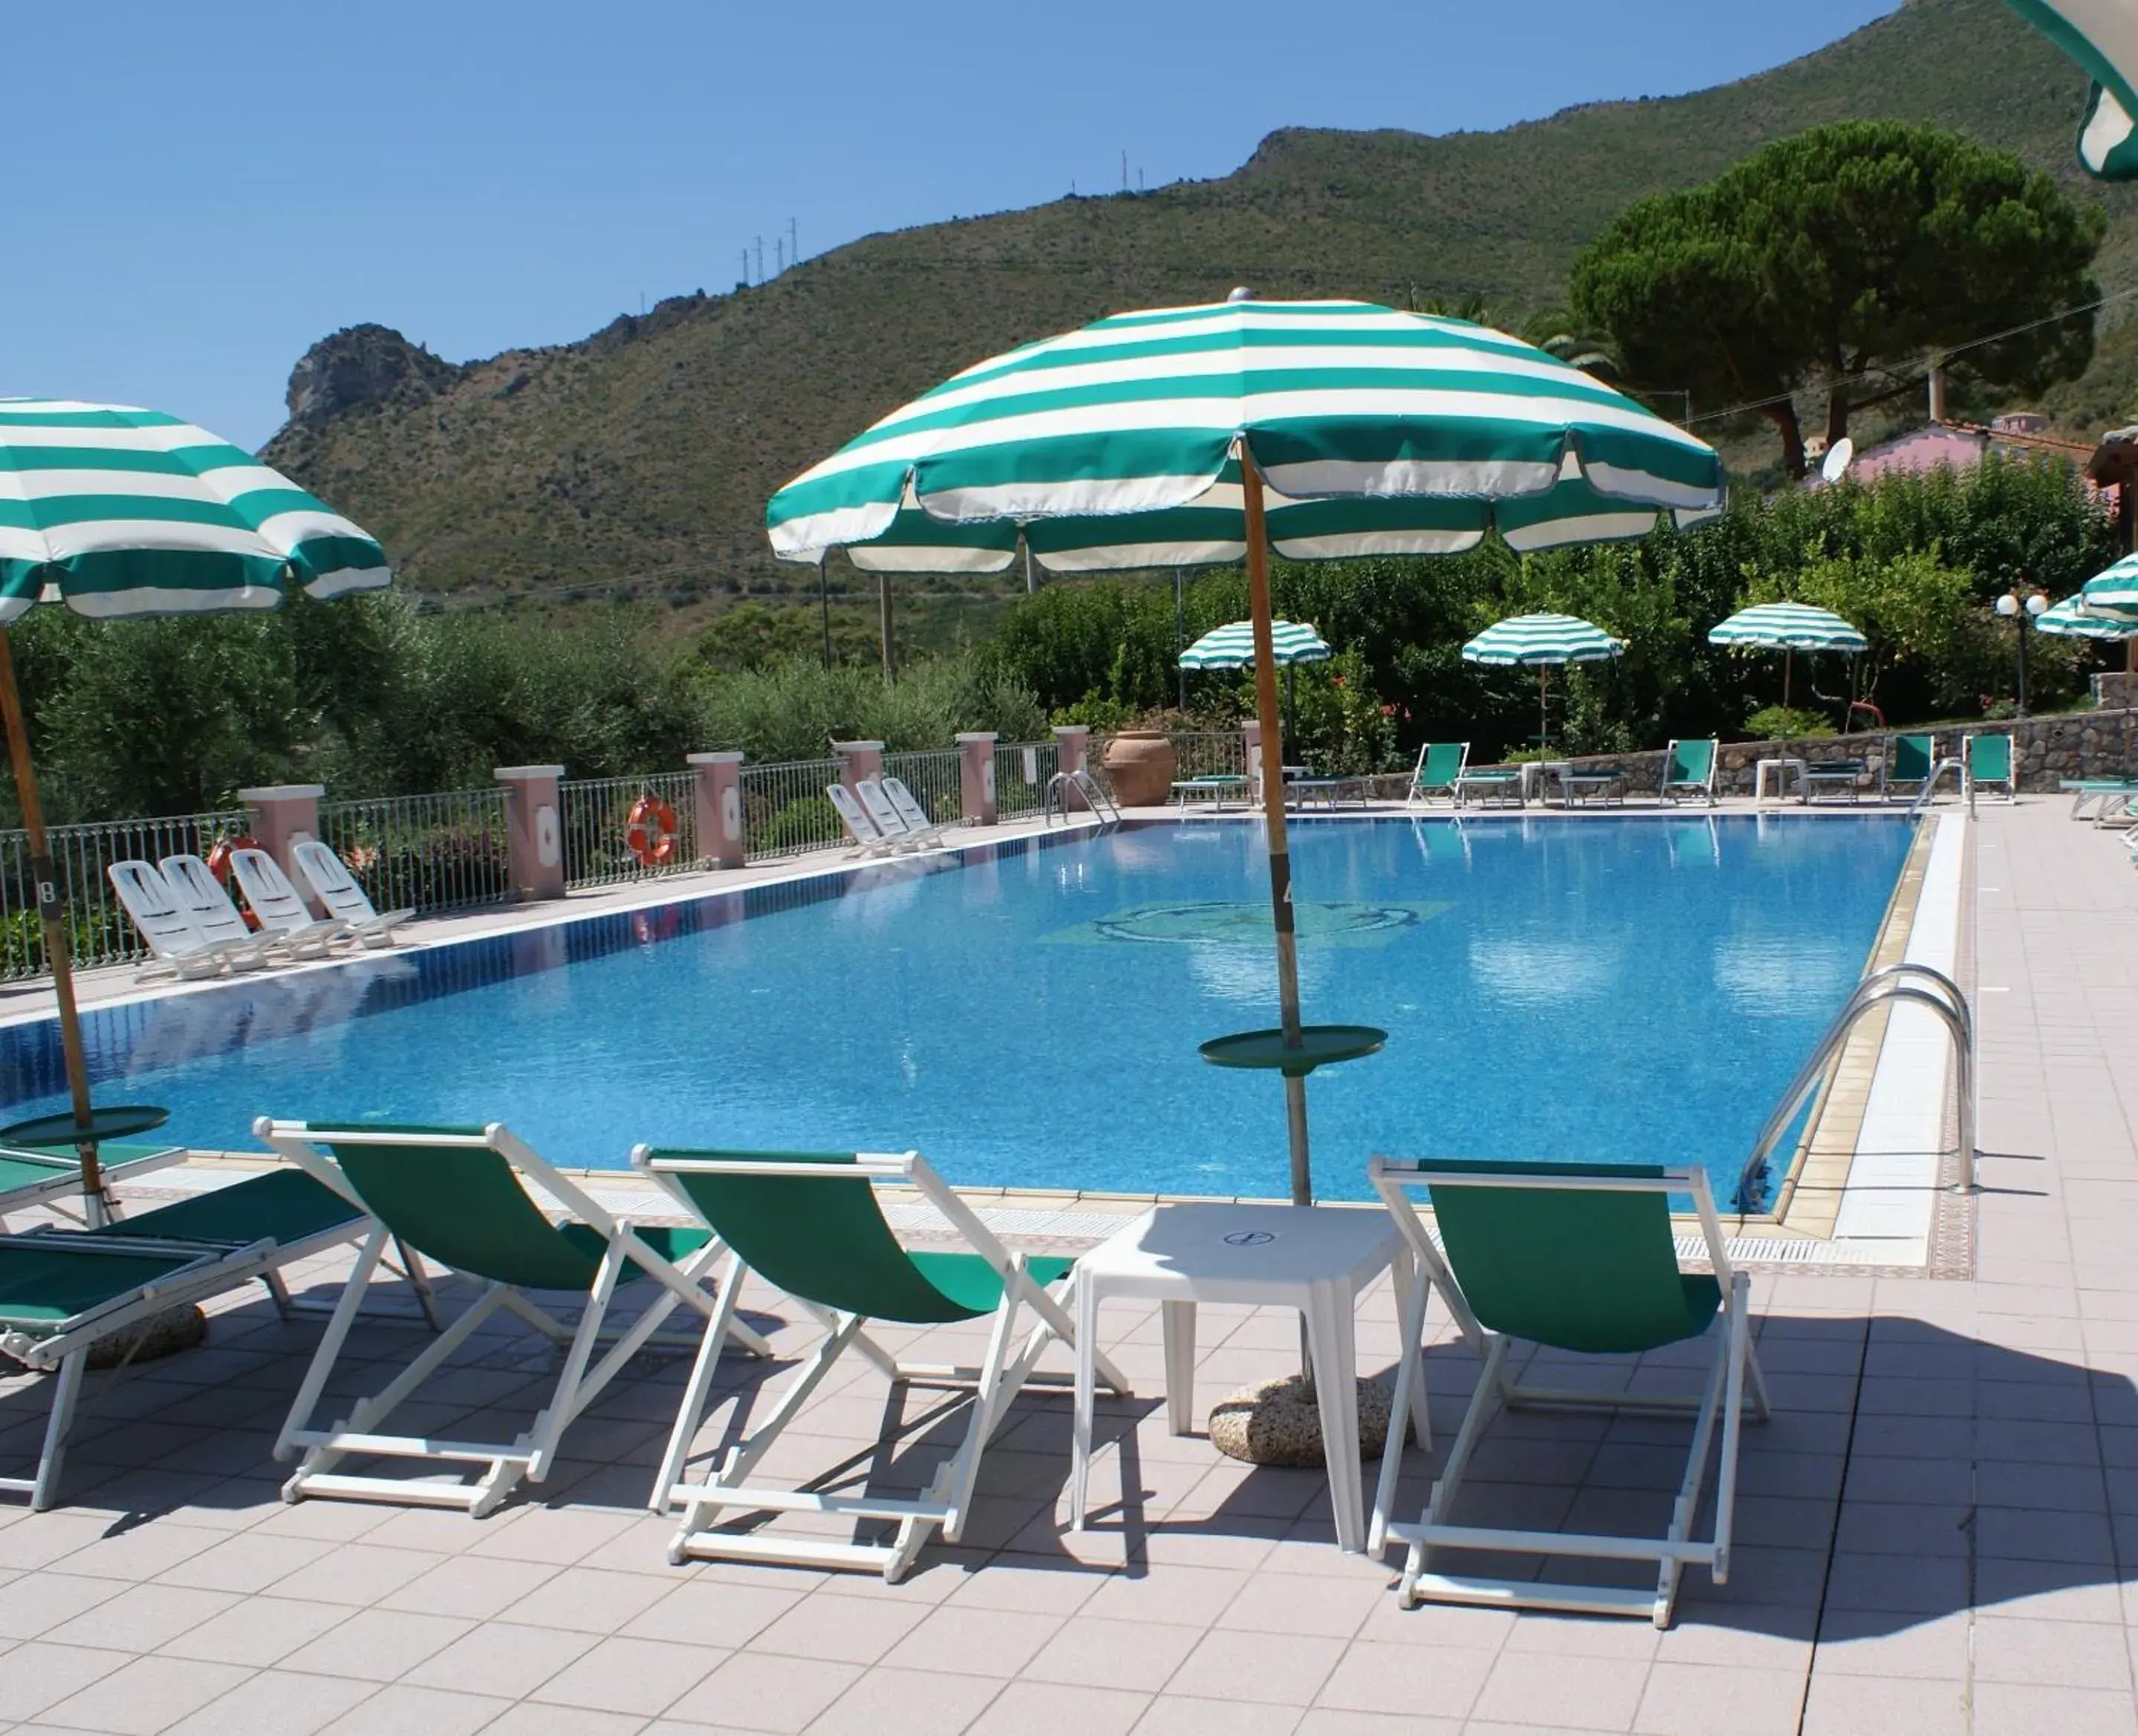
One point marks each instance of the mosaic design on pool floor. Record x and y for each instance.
(1200, 922)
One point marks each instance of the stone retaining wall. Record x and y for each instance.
(2076, 744)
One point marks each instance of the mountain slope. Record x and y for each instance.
(641, 458)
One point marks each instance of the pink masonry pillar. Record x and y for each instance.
(1072, 745)
(534, 830)
(720, 841)
(282, 816)
(1250, 737)
(859, 761)
(976, 777)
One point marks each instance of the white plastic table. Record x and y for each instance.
(1316, 1259)
(1787, 768)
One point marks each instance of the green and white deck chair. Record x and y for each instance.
(1989, 762)
(1579, 1258)
(1912, 760)
(62, 1291)
(811, 1225)
(1689, 768)
(32, 1177)
(346, 901)
(1439, 768)
(1499, 785)
(458, 1195)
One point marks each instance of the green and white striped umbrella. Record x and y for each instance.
(117, 511)
(2068, 620)
(2113, 593)
(1533, 640)
(1233, 646)
(1792, 626)
(2102, 36)
(1375, 432)
(1189, 436)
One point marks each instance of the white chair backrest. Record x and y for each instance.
(162, 921)
(200, 895)
(862, 829)
(915, 816)
(328, 876)
(268, 890)
(880, 809)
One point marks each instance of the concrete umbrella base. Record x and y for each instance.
(159, 1335)
(1277, 1422)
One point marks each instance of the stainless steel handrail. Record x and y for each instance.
(1923, 796)
(1918, 983)
(1103, 807)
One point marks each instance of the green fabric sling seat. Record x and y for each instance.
(1440, 765)
(1912, 760)
(1689, 769)
(458, 1197)
(64, 1290)
(1989, 761)
(811, 1224)
(1580, 1259)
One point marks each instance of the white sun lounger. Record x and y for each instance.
(330, 877)
(202, 896)
(278, 905)
(909, 810)
(180, 947)
(868, 837)
(888, 820)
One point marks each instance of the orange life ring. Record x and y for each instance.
(650, 833)
(218, 864)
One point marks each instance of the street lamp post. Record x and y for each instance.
(2011, 606)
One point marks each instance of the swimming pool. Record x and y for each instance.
(1625, 989)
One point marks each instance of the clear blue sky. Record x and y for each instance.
(199, 191)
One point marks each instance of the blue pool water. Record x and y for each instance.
(1632, 989)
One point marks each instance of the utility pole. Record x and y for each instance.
(779, 245)
(793, 246)
(883, 625)
(746, 267)
(760, 259)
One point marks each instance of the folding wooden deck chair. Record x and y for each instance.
(457, 1196)
(1439, 768)
(1580, 1258)
(62, 1291)
(810, 1223)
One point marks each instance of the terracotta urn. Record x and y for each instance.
(1140, 764)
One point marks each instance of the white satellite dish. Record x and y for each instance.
(1837, 458)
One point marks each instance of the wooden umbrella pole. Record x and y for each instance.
(51, 912)
(1280, 853)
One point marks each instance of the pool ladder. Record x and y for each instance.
(1080, 783)
(1915, 983)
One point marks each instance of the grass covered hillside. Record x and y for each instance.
(639, 459)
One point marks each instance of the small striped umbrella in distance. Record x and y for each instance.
(1788, 627)
(1233, 646)
(1542, 642)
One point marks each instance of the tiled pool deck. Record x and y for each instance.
(1932, 1528)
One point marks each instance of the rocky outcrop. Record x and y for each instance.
(363, 365)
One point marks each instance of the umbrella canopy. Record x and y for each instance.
(116, 511)
(1189, 435)
(1788, 626)
(2068, 620)
(1542, 639)
(1233, 646)
(2102, 36)
(1542, 642)
(2113, 593)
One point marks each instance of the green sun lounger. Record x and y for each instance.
(1500, 785)
(64, 1290)
(30, 1177)
(1579, 1259)
(1989, 761)
(1689, 768)
(458, 1197)
(1439, 768)
(810, 1224)
(2111, 798)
